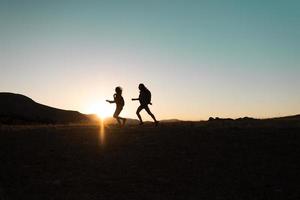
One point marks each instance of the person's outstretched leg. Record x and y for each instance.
(116, 116)
(119, 121)
(140, 108)
(123, 120)
(151, 114)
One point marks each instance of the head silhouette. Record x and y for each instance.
(142, 86)
(118, 90)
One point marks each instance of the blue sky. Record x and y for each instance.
(199, 58)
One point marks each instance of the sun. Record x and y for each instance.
(101, 109)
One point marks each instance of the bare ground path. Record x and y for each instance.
(173, 161)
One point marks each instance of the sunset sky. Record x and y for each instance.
(202, 58)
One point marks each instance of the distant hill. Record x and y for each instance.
(111, 120)
(19, 109)
(293, 117)
(170, 120)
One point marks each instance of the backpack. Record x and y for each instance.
(148, 97)
(122, 101)
(119, 100)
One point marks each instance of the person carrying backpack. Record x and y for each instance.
(119, 101)
(145, 100)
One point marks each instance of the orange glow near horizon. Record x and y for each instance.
(101, 109)
(101, 135)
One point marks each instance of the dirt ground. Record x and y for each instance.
(172, 161)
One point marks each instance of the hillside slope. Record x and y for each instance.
(16, 108)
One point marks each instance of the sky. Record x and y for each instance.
(200, 59)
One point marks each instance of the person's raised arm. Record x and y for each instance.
(109, 101)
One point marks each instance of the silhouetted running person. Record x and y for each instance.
(118, 99)
(145, 99)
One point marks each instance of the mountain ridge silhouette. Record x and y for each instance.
(18, 108)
